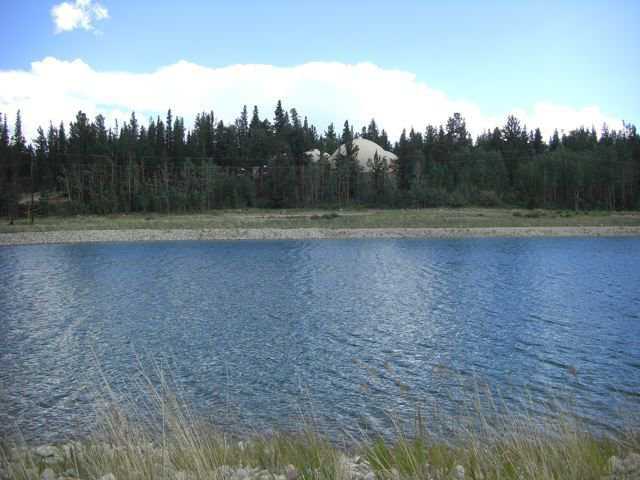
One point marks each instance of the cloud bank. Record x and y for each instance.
(326, 92)
(79, 14)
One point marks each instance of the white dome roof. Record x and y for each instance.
(366, 151)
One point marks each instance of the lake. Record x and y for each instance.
(253, 333)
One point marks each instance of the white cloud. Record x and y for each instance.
(79, 14)
(325, 92)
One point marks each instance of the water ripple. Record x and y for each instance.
(348, 331)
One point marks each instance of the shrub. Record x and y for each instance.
(488, 198)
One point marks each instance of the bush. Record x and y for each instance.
(488, 198)
(325, 216)
(457, 199)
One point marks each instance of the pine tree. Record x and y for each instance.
(17, 140)
(169, 140)
(41, 143)
(513, 146)
(161, 138)
(178, 137)
(255, 119)
(347, 133)
(538, 142)
(554, 143)
(330, 139)
(4, 133)
(100, 133)
(407, 158)
(280, 120)
(62, 139)
(384, 140)
(372, 132)
(52, 139)
(457, 135)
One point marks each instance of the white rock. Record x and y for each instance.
(46, 451)
(108, 476)
(241, 474)
(224, 471)
(48, 474)
(614, 464)
(632, 463)
(292, 473)
(458, 472)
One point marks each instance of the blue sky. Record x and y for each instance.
(497, 56)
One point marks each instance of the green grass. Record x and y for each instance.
(165, 439)
(515, 454)
(351, 218)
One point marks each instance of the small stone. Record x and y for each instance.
(292, 473)
(370, 476)
(614, 464)
(46, 451)
(108, 476)
(223, 472)
(458, 472)
(48, 474)
(241, 474)
(632, 463)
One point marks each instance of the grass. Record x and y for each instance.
(164, 440)
(350, 218)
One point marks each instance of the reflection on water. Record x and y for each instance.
(254, 332)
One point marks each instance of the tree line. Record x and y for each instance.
(87, 167)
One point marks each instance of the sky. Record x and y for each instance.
(405, 62)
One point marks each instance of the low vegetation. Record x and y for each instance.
(164, 440)
(351, 218)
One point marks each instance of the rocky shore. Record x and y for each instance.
(151, 235)
(75, 461)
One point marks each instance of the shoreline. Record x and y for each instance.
(310, 456)
(221, 234)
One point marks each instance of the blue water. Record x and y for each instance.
(252, 333)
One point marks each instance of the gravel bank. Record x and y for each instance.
(148, 235)
(75, 461)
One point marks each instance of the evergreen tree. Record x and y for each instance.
(169, 140)
(280, 119)
(4, 133)
(372, 132)
(330, 139)
(41, 143)
(178, 137)
(347, 133)
(17, 140)
(538, 142)
(62, 139)
(456, 131)
(554, 143)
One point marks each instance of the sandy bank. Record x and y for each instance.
(148, 235)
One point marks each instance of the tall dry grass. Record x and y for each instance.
(159, 437)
